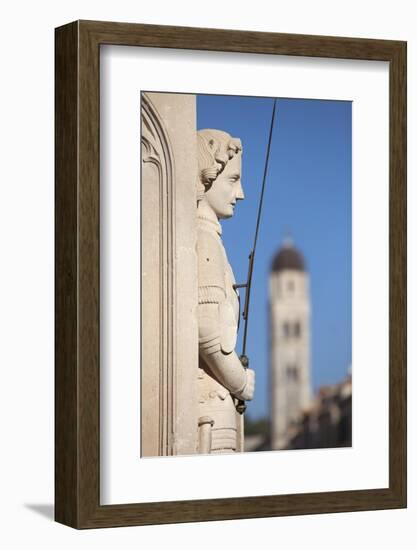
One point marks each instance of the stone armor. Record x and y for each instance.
(219, 422)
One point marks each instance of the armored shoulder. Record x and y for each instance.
(211, 268)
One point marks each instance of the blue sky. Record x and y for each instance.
(307, 195)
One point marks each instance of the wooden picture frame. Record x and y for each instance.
(77, 359)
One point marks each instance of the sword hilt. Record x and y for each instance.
(241, 405)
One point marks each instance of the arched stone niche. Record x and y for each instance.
(169, 330)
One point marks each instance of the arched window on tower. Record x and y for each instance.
(291, 329)
(286, 329)
(297, 329)
(292, 373)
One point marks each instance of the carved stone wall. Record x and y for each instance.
(169, 330)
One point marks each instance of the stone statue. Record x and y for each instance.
(222, 379)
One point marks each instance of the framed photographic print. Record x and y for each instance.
(230, 274)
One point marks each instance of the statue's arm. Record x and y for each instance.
(217, 332)
(226, 367)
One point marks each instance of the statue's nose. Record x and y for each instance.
(240, 195)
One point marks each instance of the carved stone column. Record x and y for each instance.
(169, 352)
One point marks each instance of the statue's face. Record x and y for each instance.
(226, 189)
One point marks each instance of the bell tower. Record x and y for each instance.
(289, 310)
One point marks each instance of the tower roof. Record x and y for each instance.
(288, 257)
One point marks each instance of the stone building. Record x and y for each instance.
(327, 423)
(289, 310)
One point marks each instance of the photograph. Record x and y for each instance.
(266, 287)
(230, 274)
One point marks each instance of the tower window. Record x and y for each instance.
(287, 330)
(297, 329)
(290, 285)
(291, 329)
(292, 373)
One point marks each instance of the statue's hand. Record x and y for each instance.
(246, 394)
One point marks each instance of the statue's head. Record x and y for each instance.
(219, 167)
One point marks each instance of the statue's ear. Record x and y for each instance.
(212, 144)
